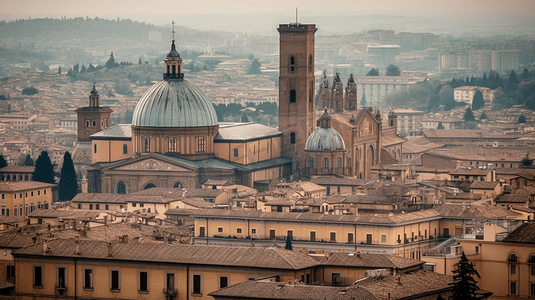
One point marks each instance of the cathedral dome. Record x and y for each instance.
(174, 103)
(325, 139)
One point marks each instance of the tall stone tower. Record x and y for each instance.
(351, 94)
(297, 118)
(93, 118)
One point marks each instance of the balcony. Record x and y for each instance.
(61, 290)
(170, 294)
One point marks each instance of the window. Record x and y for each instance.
(125, 149)
(37, 276)
(31, 194)
(532, 270)
(95, 148)
(513, 288)
(90, 206)
(88, 278)
(513, 269)
(143, 282)
(532, 289)
(333, 237)
(121, 187)
(94, 123)
(115, 280)
(272, 233)
(197, 284)
(97, 206)
(172, 145)
(339, 162)
(235, 152)
(292, 137)
(446, 232)
(87, 124)
(223, 281)
(335, 279)
(369, 238)
(219, 229)
(146, 144)
(292, 64)
(310, 63)
(10, 272)
(311, 162)
(170, 282)
(293, 96)
(61, 278)
(350, 237)
(383, 238)
(512, 257)
(201, 144)
(253, 231)
(312, 236)
(238, 230)
(202, 231)
(106, 207)
(290, 234)
(325, 163)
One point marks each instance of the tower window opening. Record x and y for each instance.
(292, 64)
(292, 138)
(168, 69)
(146, 144)
(310, 63)
(201, 144)
(325, 162)
(174, 69)
(293, 96)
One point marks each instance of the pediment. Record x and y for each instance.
(151, 164)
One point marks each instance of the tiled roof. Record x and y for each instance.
(472, 172)
(322, 218)
(10, 186)
(283, 291)
(391, 140)
(418, 145)
(99, 198)
(525, 233)
(180, 212)
(367, 260)
(484, 185)
(197, 202)
(17, 169)
(478, 153)
(119, 131)
(15, 240)
(66, 214)
(279, 201)
(244, 132)
(340, 181)
(475, 211)
(172, 192)
(253, 257)
(511, 198)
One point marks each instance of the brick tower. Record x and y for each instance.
(93, 118)
(297, 118)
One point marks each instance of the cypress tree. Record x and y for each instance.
(3, 162)
(68, 182)
(28, 161)
(469, 115)
(464, 285)
(522, 119)
(478, 101)
(44, 171)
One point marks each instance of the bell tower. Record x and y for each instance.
(297, 118)
(92, 118)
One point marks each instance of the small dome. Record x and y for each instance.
(173, 52)
(174, 103)
(94, 90)
(325, 139)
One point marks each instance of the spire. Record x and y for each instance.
(94, 97)
(94, 90)
(173, 62)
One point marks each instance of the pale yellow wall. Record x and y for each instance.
(110, 150)
(249, 152)
(102, 206)
(26, 200)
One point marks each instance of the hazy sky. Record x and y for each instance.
(10, 9)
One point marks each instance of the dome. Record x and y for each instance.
(325, 139)
(173, 52)
(174, 103)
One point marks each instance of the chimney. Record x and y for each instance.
(398, 280)
(125, 238)
(46, 249)
(105, 220)
(77, 249)
(109, 247)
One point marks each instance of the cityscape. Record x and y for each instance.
(240, 152)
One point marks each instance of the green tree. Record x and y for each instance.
(3, 162)
(373, 72)
(483, 116)
(110, 64)
(446, 97)
(434, 102)
(28, 161)
(469, 115)
(512, 81)
(522, 119)
(244, 118)
(525, 74)
(464, 285)
(288, 245)
(440, 126)
(392, 70)
(44, 171)
(30, 91)
(526, 161)
(363, 100)
(478, 101)
(59, 70)
(255, 67)
(68, 182)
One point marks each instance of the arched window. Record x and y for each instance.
(178, 185)
(292, 137)
(174, 70)
(201, 144)
(311, 162)
(146, 144)
(87, 123)
(125, 149)
(121, 187)
(325, 162)
(95, 148)
(94, 123)
(236, 152)
(339, 162)
(149, 186)
(310, 63)
(293, 96)
(391, 122)
(172, 145)
(292, 64)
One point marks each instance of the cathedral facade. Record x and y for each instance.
(175, 139)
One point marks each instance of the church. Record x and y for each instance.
(175, 139)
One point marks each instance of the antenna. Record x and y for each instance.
(296, 22)
(173, 30)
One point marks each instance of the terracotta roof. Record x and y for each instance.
(66, 214)
(172, 192)
(271, 258)
(119, 132)
(279, 201)
(391, 140)
(180, 212)
(484, 185)
(17, 169)
(99, 198)
(475, 211)
(366, 260)
(511, 198)
(471, 172)
(525, 233)
(15, 240)
(10, 186)
(340, 181)
(418, 145)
